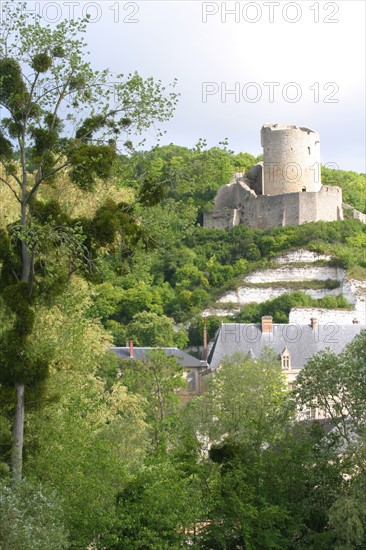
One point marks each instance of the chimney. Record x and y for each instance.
(355, 321)
(267, 326)
(204, 339)
(131, 349)
(313, 323)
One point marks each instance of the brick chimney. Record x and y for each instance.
(267, 326)
(313, 323)
(131, 349)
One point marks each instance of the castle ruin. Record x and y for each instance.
(284, 189)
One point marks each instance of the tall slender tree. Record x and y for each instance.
(58, 115)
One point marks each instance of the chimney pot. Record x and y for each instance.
(131, 349)
(313, 322)
(267, 325)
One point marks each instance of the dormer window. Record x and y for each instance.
(285, 359)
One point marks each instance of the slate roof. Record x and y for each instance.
(183, 358)
(302, 341)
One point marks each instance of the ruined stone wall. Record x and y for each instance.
(308, 208)
(225, 218)
(291, 159)
(233, 194)
(329, 204)
(266, 211)
(350, 212)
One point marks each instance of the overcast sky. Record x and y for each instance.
(297, 63)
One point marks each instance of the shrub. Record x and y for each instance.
(30, 518)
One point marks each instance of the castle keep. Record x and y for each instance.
(284, 189)
(291, 160)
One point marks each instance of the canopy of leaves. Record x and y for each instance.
(31, 518)
(352, 185)
(335, 384)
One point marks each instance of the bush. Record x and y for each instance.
(30, 519)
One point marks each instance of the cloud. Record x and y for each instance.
(310, 51)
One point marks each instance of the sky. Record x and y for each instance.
(240, 65)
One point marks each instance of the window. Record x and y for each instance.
(191, 379)
(310, 413)
(286, 359)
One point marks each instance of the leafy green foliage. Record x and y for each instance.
(244, 416)
(335, 384)
(157, 509)
(157, 379)
(247, 397)
(31, 518)
(153, 330)
(351, 183)
(89, 162)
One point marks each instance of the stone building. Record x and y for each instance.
(292, 343)
(192, 368)
(284, 189)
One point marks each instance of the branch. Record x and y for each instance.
(63, 85)
(17, 180)
(15, 275)
(38, 183)
(11, 188)
(62, 95)
(33, 85)
(47, 92)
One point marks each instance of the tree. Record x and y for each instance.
(347, 517)
(157, 509)
(31, 518)
(152, 330)
(336, 384)
(99, 435)
(244, 416)
(246, 399)
(158, 379)
(42, 71)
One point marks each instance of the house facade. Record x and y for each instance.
(293, 344)
(192, 367)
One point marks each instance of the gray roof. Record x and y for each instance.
(302, 341)
(183, 358)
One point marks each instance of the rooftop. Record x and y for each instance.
(302, 341)
(140, 353)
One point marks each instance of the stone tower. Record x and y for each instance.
(291, 159)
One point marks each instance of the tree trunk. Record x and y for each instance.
(18, 422)
(18, 435)
(26, 257)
